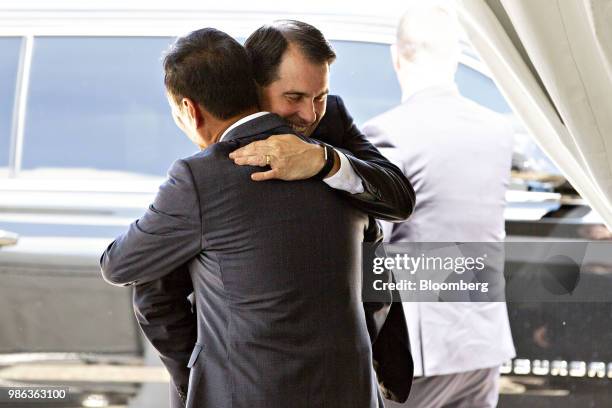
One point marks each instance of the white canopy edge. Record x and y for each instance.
(529, 101)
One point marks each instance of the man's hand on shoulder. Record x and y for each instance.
(289, 158)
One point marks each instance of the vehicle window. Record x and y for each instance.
(481, 89)
(371, 88)
(97, 108)
(103, 97)
(9, 61)
(368, 88)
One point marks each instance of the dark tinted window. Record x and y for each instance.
(9, 61)
(99, 104)
(363, 75)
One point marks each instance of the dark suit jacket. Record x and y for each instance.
(169, 324)
(388, 194)
(276, 272)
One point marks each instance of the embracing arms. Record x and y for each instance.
(365, 177)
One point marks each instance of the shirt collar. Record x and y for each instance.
(240, 122)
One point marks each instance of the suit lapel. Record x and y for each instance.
(330, 128)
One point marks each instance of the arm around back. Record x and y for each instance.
(167, 236)
(388, 194)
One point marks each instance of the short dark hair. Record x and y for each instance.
(268, 43)
(212, 69)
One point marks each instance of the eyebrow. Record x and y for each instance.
(296, 93)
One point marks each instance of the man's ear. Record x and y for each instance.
(395, 60)
(193, 112)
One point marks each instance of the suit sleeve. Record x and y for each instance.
(388, 194)
(386, 323)
(376, 312)
(391, 355)
(152, 255)
(165, 316)
(164, 238)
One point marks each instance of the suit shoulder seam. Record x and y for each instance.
(197, 194)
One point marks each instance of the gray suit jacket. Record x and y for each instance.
(276, 271)
(457, 155)
(388, 195)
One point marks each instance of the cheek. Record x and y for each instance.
(177, 121)
(272, 100)
(281, 106)
(320, 108)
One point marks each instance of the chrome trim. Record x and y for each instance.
(559, 368)
(540, 367)
(577, 369)
(522, 366)
(20, 105)
(596, 369)
(506, 367)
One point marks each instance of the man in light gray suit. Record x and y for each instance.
(457, 155)
(275, 266)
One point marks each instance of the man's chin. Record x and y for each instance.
(304, 131)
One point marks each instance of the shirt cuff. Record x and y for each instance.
(346, 179)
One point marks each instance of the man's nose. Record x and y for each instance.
(308, 112)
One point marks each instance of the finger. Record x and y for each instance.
(243, 151)
(243, 158)
(247, 150)
(284, 137)
(251, 161)
(259, 147)
(265, 175)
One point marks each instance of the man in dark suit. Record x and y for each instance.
(359, 173)
(291, 61)
(275, 266)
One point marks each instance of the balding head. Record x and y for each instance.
(428, 30)
(427, 40)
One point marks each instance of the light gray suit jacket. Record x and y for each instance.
(457, 155)
(276, 273)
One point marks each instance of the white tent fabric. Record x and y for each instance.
(552, 60)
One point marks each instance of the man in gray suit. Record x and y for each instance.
(275, 266)
(457, 155)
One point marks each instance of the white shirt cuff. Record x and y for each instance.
(345, 179)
